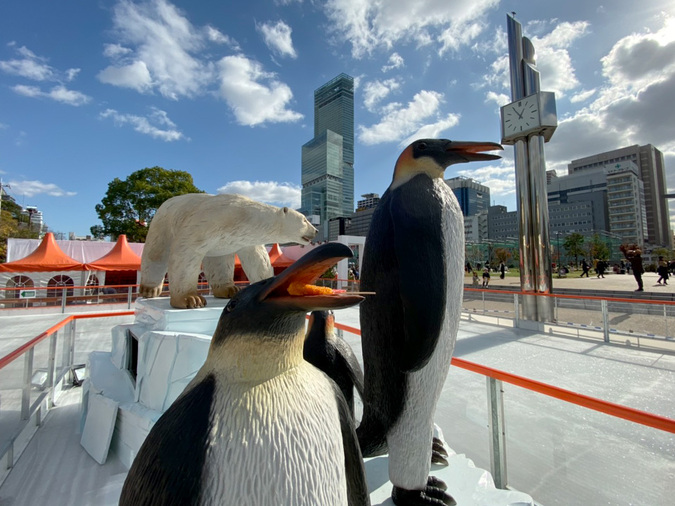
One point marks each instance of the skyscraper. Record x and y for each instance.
(328, 159)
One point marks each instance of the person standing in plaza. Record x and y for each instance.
(585, 267)
(662, 271)
(634, 256)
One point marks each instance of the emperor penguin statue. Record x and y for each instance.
(413, 260)
(258, 425)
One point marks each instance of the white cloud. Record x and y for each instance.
(277, 37)
(162, 46)
(32, 188)
(58, 93)
(135, 76)
(156, 125)
(368, 25)
(254, 95)
(400, 122)
(501, 179)
(375, 91)
(395, 62)
(270, 192)
(30, 66)
(582, 96)
(215, 35)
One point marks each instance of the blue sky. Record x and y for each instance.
(90, 91)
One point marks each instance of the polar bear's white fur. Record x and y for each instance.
(198, 229)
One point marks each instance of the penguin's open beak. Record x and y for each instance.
(306, 270)
(472, 151)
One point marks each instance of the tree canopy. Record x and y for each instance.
(574, 246)
(129, 205)
(13, 224)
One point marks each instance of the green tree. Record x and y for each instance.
(10, 226)
(598, 248)
(573, 245)
(129, 205)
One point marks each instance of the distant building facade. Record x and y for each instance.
(328, 159)
(474, 200)
(651, 171)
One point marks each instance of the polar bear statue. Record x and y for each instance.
(197, 229)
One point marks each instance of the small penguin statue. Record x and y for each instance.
(258, 425)
(414, 261)
(323, 349)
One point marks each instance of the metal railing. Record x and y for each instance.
(60, 342)
(40, 386)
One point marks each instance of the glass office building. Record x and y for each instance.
(328, 159)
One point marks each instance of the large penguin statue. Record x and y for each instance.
(258, 425)
(333, 355)
(414, 262)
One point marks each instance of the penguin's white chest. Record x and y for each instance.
(275, 443)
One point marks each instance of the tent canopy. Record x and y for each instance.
(120, 258)
(277, 257)
(47, 257)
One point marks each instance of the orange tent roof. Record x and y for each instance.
(47, 257)
(120, 258)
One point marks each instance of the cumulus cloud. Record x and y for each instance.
(135, 76)
(58, 93)
(270, 192)
(368, 26)
(420, 117)
(158, 50)
(157, 124)
(375, 91)
(34, 67)
(395, 61)
(254, 95)
(277, 37)
(33, 188)
(501, 179)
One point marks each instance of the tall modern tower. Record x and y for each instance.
(328, 159)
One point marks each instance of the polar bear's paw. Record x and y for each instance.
(150, 292)
(225, 291)
(189, 301)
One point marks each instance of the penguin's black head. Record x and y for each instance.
(320, 325)
(266, 309)
(433, 156)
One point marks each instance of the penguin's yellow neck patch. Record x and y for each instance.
(250, 359)
(408, 167)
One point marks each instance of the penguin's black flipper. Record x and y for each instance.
(168, 468)
(418, 240)
(355, 471)
(432, 495)
(351, 364)
(438, 452)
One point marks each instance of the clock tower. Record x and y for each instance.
(527, 123)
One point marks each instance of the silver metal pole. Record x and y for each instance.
(495, 391)
(51, 369)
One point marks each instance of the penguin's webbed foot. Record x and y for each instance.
(438, 452)
(432, 495)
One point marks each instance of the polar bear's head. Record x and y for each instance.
(296, 228)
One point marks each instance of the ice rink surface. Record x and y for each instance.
(558, 453)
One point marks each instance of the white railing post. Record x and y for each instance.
(27, 376)
(605, 320)
(516, 310)
(495, 390)
(51, 366)
(63, 300)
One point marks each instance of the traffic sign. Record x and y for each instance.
(27, 294)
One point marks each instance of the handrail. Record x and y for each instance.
(577, 297)
(13, 355)
(609, 408)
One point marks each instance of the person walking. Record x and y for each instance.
(601, 268)
(486, 277)
(502, 270)
(585, 267)
(662, 271)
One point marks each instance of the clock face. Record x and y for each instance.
(520, 117)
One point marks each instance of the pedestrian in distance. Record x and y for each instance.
(634, 255)
(585, 267)
(662, 271)
(502, 270)
(486, 277)
(601, 268)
